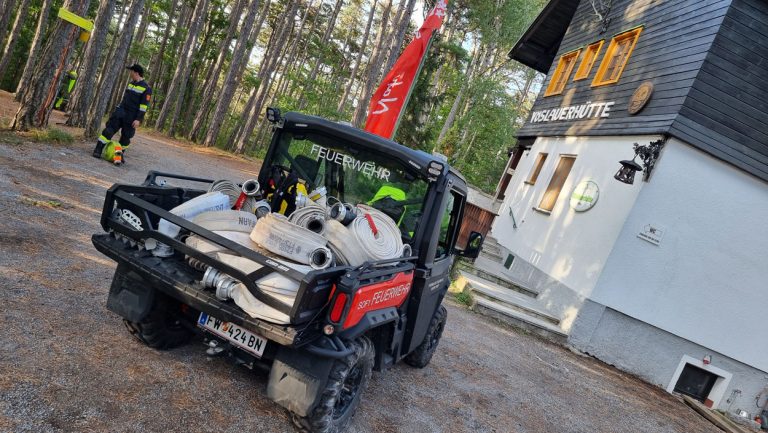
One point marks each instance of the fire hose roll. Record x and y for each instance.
(249, 204)
(278, 235)
(228, 220)
(344, 247)
(378, 235)
(311, 217)
(188, 210)
(363, 239)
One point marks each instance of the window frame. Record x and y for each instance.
(456, 215)
(563, 157)
(551, 89)
(586, 65)
(541, 158)
(600, 79)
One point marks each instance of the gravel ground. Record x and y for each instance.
(67, 363)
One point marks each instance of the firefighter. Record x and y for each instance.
(129, 114)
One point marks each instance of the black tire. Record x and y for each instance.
(348, 379)
(420, 357)
(164, 326)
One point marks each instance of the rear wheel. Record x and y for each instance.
(164, 326)
(348, 379)
(420, 357)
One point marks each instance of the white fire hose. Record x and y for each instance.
(206, 202)
(277, 234)
(231, 224)
(248, 191)
(371, 236)
(280, 287)
(311, 217)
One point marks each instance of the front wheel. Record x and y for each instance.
(420, 357)
(164, 326)
(348, 379)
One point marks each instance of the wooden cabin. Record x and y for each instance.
(637, 210)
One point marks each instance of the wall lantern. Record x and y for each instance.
(648, 155)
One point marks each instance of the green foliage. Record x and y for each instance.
(466, 67)
(464, 298)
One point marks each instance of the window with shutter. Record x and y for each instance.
(562, 73)
(556, 183)
(540, 158)
(616, 57)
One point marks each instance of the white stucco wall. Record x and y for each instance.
(707, 281)
(569, 246)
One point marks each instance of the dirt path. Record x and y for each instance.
(67, 364)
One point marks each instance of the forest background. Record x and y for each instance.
(215, 65)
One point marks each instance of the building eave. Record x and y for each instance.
(538, 46)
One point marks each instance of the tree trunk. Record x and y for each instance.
(285, 78)
(142, 33)
(320, 58)
(363, 46)
(121, 17)
(37, 42)
(37, 103)
(6, 11)
(403, 22)
(301, 60)
(212, 79)
(115, 69)
(157, 59)
(456, 102)
(163, 79)
(268, 67)
(374, 67)
(175, 94)
(18, 24)
(233, 77)
(119, 88)
(83, 94)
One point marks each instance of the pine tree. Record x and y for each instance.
(37, 102)
(114, 70)
(37, 42)
(15, 34)
(82, 97)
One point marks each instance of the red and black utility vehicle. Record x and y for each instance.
(346, 321)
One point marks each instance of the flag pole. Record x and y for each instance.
(413, 84)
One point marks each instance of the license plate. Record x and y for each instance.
(236, 335)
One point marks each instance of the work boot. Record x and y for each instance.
(98, 150)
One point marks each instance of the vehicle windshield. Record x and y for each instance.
(353, 174)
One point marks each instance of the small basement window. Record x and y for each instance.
(562, 73)
(696, 382)
(540, 158)
(590, 55)
(556, 183)
(616, 57)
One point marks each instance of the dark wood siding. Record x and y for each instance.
(670, 52)
(726, 111)
(475, 219)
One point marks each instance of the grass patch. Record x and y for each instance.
(10, 137)
(464, 298)
(50, 135)
(50, 204)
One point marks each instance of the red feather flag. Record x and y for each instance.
(389, 99)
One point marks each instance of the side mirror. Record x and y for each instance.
(474, 242)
